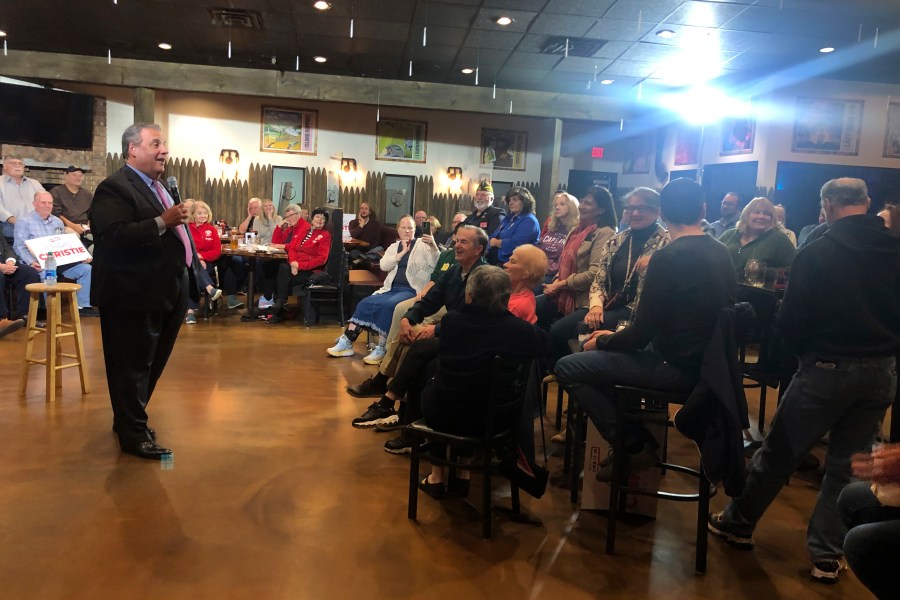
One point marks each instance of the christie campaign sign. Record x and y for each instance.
(66, 247)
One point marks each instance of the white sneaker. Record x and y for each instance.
(344, 347)
(376, 356)
(265, 302)
(215, 294)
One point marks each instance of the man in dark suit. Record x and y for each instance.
(141, 281)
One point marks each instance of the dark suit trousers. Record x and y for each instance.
(20, 278)
(136, 347)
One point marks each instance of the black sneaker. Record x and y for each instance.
(399, 445)
(388, 427)
(373, 387)
(827, 570)
(720, 526)
(375, 415)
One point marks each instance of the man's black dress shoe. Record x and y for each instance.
(150, 450)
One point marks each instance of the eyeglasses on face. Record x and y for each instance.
(643, 208)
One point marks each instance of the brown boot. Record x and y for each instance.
(373, 387)
(7, 326)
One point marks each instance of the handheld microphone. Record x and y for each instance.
(173, 190)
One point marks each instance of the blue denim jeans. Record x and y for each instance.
(846, 396)
(589, 377)
(872, 545)
(81, 273)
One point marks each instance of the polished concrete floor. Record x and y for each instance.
(274, 496)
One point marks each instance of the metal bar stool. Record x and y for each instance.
(55, 330)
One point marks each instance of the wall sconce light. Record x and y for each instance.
(454, 179)
(348, 171)
(229, 159)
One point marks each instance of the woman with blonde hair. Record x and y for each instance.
(563, 219)
(526, 268)
(266, 222)
(209, 249)
(757, 237)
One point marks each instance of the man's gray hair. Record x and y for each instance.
(489, 287)
(132, 135)
(293, 207)
(481, 237)
(845, 191)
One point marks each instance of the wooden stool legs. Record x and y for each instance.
(55, 330)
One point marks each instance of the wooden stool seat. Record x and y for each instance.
(55, 331)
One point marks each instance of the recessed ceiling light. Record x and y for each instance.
(826, 49)
(468, 71)
(607, 81)
(2, 33)
(322, 5)
(319, 59)
(164, 46)
(504, 20)
(666, 34)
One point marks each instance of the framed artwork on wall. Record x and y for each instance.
(288, 186)
(687, 145)
(504, 149)
(400, 192)
(288, 130)
(400, 140)
(892, 131)
(638, 155)
(738, 134)
(827, 126)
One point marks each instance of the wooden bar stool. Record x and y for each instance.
(55, 330)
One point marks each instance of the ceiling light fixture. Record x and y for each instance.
(607, 81)
(504, 21)
(164, 46)
(468, 71)
(321, 5)
(319, 59)
(666, 34)
(826, 50)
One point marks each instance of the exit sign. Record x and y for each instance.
(597, 152)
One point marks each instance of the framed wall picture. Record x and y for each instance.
(687, 145)
(738, 134)
(827, 126)
(400, 140)
(288, 186)
(400, 191)
(504, 149)
(289, 130)
(638, 155)
(892, 131)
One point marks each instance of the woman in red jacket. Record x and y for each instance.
(307, 253)
(209, 249)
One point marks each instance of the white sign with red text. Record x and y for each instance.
(346, 228)
(66, 247)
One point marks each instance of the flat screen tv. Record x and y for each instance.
(31, 116)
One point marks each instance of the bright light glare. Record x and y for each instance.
(703, 105)
(826, 50)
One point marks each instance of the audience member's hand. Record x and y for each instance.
(407, 334)
(881, 466)
(77, 228)
(594, 317)
(175, 216)
(88, 260)
(295, 267)
(202, 263)
(591, 343)
(428, 239)
(424, 332)
(8, 268)
(552, 288)
(495, 242)
(37, 266)
(404, 248)
(278, 246)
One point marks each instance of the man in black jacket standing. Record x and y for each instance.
(141, 281)
(841, 315)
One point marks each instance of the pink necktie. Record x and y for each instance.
(164, 199)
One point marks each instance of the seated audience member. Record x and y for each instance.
(448, 293)
(376, 385)
(307, 253)
(871, 512)
(209, 249)
(486, 215)
(304, 214)
(730, 211)
(365, 228)
(420, 217)
(233, 269)
(254, 208)
(757, 237)
(16, 194)
(890, 214)
(526, 268)
(808, 229)
(687, 284)
(19, 275)
(409, 263)
(71, 203)
(563, 219)
(579, 261)
(439, 235)
(266, 223)
(780, 215)
(455, 399)
(519, 227)
(449, 237)
(847, 373)
(266, 270)
(41, 223)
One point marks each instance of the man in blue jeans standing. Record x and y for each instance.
(841, 315)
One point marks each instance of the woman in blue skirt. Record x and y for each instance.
(410, 262)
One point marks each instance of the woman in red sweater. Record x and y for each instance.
(209, 249)
(307, 253)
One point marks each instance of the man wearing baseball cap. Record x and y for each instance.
(71, 203)
(486, 215)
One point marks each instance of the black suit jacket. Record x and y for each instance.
(134, 266)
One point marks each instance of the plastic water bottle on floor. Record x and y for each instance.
(167, 461)
(50, 269)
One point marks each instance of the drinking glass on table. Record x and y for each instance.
(755, 272)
